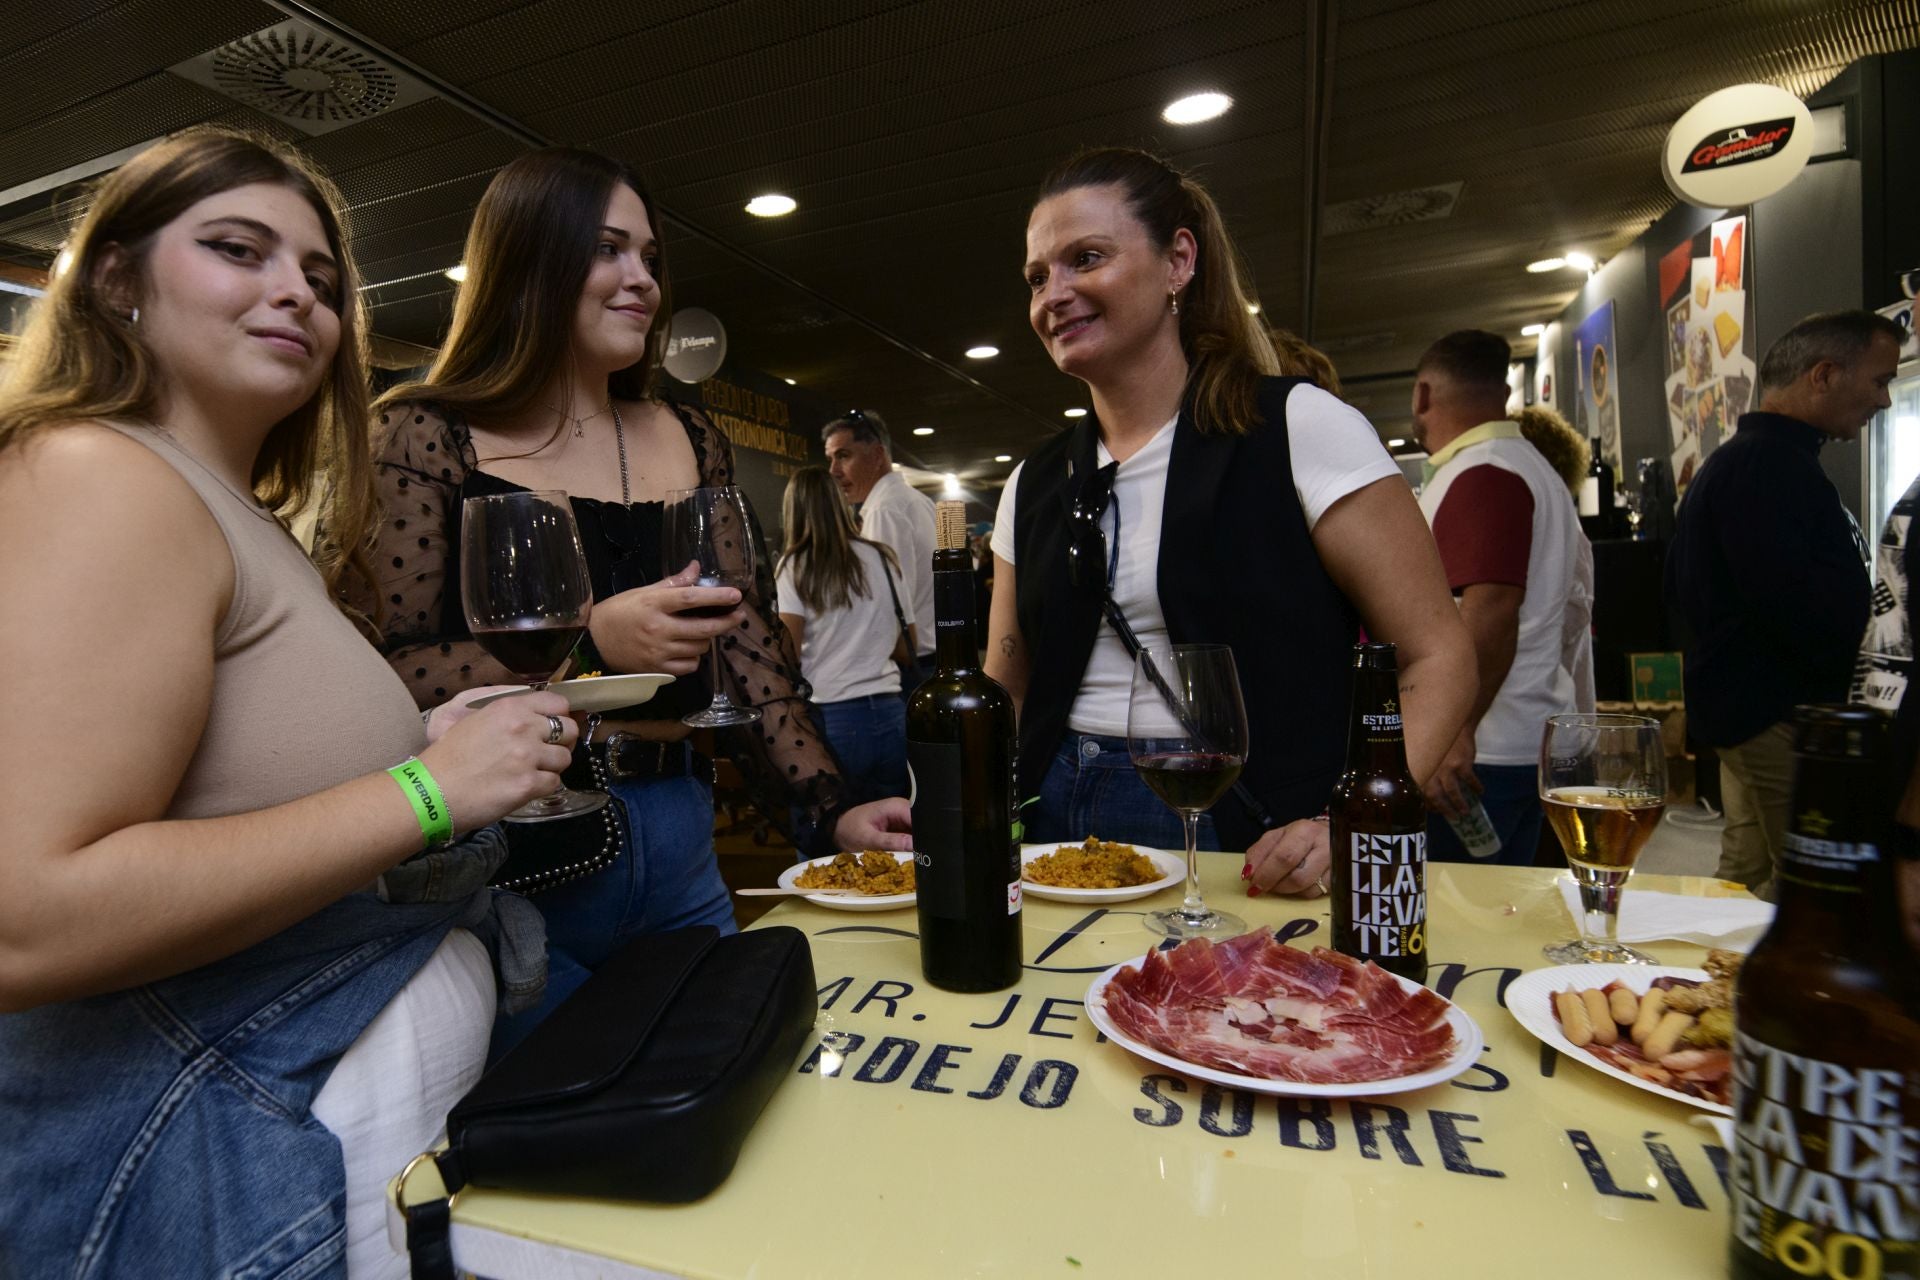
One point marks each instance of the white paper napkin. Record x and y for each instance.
(1647, 915)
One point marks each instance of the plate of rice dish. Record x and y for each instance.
(1097, 870)
(872, 880)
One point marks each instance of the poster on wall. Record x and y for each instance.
(1597, 408)
(1543, 368)
(1706, 312)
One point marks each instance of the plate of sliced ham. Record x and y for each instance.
(1254, 1013)
(1697, 1077)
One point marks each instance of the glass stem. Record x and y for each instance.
(720, 699)
(1600, 908)
(1193, 908)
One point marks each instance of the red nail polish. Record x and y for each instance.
(1253, 891)
(1246, 871)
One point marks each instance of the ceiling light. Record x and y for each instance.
(1253, 308)
(923, 431)
(456, 273)
(952, 485)
(1580, 261)
(1196, 107)
(1076, 413)
(1532, 330)
(771, 206)
(1003, 457)
(1395, 443)
(1546, 264)
(790, 382)
(982, 352)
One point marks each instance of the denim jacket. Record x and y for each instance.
(167, 1130)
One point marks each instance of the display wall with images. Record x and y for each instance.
(1707, 317)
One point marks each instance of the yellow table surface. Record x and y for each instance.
(929, 1134)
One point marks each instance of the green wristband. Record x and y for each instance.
(429, 806)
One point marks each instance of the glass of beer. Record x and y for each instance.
(1603, 783)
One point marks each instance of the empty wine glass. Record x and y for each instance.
(524, 585)
(710, 527)
(1187, 734)
(1603, 783)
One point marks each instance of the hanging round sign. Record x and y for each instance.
(696, 345)
(1737, 146)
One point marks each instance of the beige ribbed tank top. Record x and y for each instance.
(301, 702)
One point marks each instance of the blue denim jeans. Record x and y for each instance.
(1512, 798)
(1091, 789)
(665, 878)
(869, 735)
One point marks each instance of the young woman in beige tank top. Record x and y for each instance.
(193, 756)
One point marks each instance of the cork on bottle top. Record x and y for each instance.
(950, 526)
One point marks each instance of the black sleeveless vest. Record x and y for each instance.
(1237, 567)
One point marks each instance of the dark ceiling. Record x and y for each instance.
(912, 133)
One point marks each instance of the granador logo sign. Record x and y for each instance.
(1742, 144)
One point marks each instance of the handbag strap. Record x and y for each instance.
(1118, 621)
(899, 616)
(429, 1227)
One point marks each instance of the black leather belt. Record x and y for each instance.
(623, 755)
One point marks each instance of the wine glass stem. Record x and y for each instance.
(720, 700)
(1193, 907)
(1600, 908)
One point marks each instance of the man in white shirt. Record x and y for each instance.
(860, 458)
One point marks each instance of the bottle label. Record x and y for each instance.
(939, 828)
(1826, 1164)
(1589, 496)
(1811, 859)
(1388, 888)
(1383, 725)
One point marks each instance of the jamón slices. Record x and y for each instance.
(1258, 1007)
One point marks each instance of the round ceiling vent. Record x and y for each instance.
(310, 78)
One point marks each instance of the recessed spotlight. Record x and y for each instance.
(1546, 264)
(456, 273)
(982, 352)
(1196, 107)
(923, 431)
(790, 382)
(1253, 308)
(1532, 330)
(1076, 413)
(1580, 261)
(771, 206)
(1003, 457)
(1395, 443)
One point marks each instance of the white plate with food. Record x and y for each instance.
(1170, 868)
(591, 694)
(1530, 999)
(1352, 1056)
(852, 876)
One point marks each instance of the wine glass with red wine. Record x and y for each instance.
(709, 527)
(524, 583)
(1187, 734)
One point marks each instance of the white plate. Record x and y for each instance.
(851, 902)
(1173, 869)
(594, 693)
(1530, 1001)
(1466, 1052)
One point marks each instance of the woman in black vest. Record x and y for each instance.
(1225, 504)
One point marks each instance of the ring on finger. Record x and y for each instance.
(1320, 885)
(556, 730)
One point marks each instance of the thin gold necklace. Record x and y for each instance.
(580, 424)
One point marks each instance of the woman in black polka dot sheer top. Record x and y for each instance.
(544, 383)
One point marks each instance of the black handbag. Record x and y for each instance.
(642, 1085)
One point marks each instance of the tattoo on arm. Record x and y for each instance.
(1006, 646)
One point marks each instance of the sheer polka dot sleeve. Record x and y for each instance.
(423, 459)
(784, 757)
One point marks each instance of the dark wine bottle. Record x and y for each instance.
(960, 751)
(1596, 496)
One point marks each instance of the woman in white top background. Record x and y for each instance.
(838, 594)
(1222, 504)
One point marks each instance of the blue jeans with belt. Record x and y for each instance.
(869, 735)
(666, 877)
(1092, 789)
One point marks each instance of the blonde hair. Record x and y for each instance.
(1563, 447)
(819, 542)
(1227, 348)
(79, 361)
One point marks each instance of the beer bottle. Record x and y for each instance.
(1379, 829)
(1826, 1051)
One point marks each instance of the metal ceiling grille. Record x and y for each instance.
(1422, 204)
(311, 80)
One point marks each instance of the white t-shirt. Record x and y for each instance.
(847, 653)
(899, 515)
(1335, 451)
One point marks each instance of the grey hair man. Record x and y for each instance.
(860, 459)
(1768, 572)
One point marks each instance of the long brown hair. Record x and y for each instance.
(1301, 359)
(528, 254)
(1227, 349)
(80, 361)
(820, 537)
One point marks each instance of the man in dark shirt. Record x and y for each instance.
(1768, 572)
